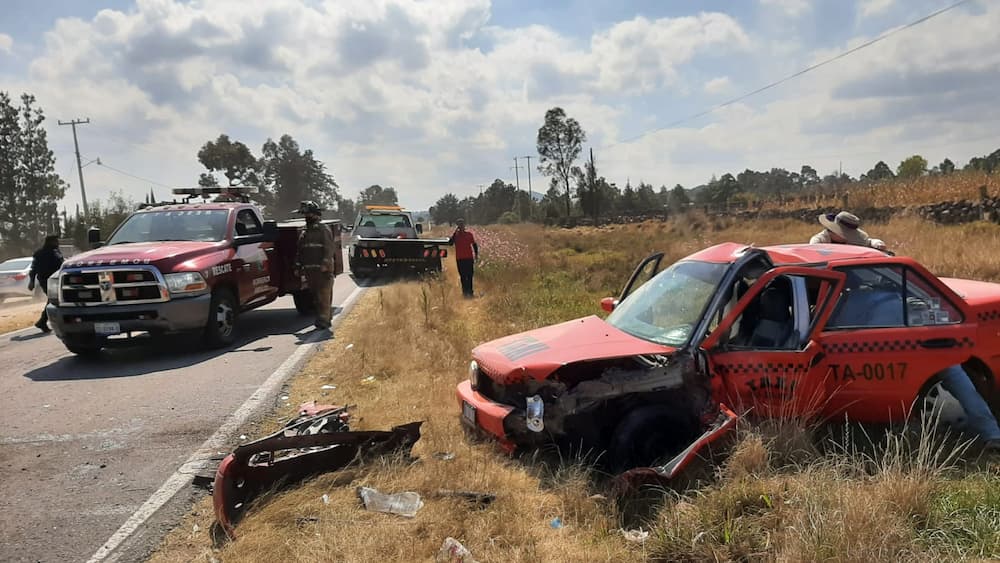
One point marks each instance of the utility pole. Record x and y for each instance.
(592, 178)
(531, 197)
(517, 194)
(79, 165)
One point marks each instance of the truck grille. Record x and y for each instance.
(130, 285)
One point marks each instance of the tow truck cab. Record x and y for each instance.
(187, 267)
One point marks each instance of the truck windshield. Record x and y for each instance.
(207, 225)
(385, 221)
(666, 308)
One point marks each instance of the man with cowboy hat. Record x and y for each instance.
(843, 228)
(315, 259)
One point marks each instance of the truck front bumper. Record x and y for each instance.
(177, 315)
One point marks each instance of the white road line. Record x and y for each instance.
(185, 474)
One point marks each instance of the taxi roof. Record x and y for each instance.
(787, 254)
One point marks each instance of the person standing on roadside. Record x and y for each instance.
(466, 254)
(315, 259)
(46, 261)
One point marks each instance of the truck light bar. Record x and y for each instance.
(242, 192)
(383, 208)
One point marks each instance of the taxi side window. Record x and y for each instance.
(247, 223)
(889, 297)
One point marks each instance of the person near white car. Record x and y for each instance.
(46, 261)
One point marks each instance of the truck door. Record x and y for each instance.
(892, 331)
(252, 262)
(763, 357)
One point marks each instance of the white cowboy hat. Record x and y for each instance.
(845, 225)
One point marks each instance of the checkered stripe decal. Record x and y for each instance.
(857, 347)
(989, 316)
(761, 368)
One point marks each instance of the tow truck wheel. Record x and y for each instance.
(304, 302)
(646, 435)
(84, 347)
(220, 330)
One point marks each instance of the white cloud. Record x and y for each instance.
(433, 98)
(718, 85)
(868, 8)
(641, 55)
(793, 8)
(6, 43)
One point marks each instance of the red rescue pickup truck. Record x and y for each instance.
(190, 267)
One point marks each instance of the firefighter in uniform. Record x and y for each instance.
(316, 260)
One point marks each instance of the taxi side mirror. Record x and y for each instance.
(609, 304)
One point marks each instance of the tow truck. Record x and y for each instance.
(815, 332)
(386, 241)
(179, 267)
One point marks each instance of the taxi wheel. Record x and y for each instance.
(646, 435)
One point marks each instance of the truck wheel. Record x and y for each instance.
(85, 347)
(648, 434)
(304, 302)
(220, 330)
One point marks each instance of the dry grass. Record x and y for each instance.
(400, 353)
(19, 314)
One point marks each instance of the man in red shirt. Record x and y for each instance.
(466, 254)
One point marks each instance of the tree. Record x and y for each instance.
(881, 171)
(946, 167)
(559, 141)
(678, 198)
(346, 210)
(29, 186)
(293, 175)
(446, 210)
(377, 195)
(809, 176)
(105, 215)
(912, 167)
(646, 198)
(233, 159)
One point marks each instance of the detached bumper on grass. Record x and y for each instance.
(317, 442)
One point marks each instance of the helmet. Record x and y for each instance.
(310, 207)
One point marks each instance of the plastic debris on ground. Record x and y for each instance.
(349, 346)
(328, 387)
(326, 499)
(369, 379)
(452, 551)
(444, 456)
(635, 536)
(556, 523)
(403, 504)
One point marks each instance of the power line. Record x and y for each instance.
(123, 173)
(806, 70)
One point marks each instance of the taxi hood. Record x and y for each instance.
(538, 353)
(162, 254)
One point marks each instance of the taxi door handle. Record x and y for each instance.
(939, 343)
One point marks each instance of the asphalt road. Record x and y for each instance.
(84, 444)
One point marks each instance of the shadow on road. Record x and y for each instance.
(174, 352)
(29, 337)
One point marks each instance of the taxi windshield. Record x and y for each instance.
(666, 309)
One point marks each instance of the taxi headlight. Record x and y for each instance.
(474, 374)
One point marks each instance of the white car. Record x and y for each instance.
(14, 278)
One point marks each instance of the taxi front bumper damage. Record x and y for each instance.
(318, 441)
(549, 411)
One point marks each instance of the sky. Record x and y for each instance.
(439, 96)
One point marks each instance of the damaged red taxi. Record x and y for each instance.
(781, 331)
